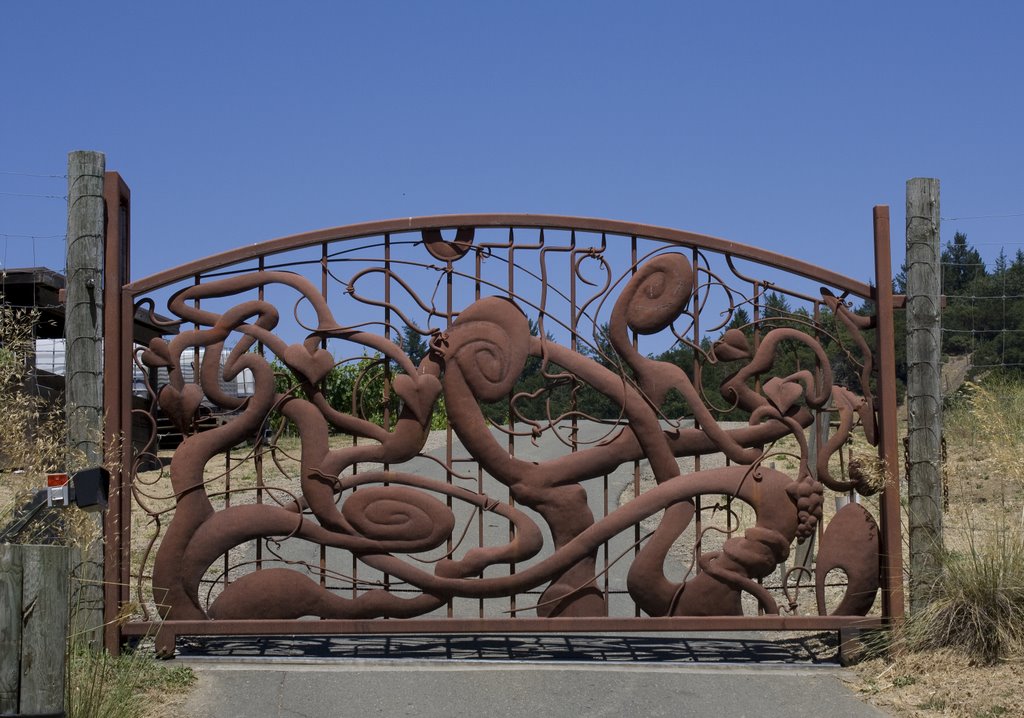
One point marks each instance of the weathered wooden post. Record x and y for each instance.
(10, 628)
(83, 369)
(33, 628)
(924, 400)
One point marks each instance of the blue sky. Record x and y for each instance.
(773, 124)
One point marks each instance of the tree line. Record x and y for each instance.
(547, 392)
(983, 315)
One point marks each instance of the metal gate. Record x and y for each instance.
(475, 423)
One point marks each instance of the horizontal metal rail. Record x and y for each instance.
(500, 221)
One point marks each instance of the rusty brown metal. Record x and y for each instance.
(888, 448)
(116, 260)
(526, 221)
(850, 543)
(608, 526)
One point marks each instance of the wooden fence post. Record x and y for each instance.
(924, 400)
(83, 369)
(33, 628)
(10, 628)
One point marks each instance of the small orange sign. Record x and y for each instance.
(57, 479)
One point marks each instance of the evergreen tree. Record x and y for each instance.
(414, 345)
(776, 305)
(1001, 264)
(899, 282)
(740, 320)
(961, 264)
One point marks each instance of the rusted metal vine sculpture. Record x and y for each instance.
(477, 360)
(476, 357)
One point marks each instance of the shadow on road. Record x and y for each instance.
(818, 648)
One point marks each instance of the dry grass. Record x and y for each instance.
(977, 599)
(32, 436)
(929, 684)
(132, 685)
(33, 442)
(962, 656)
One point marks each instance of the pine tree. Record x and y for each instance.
(961, 264)
(414, 345)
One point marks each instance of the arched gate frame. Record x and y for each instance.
(480, 423)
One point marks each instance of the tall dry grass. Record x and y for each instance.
(131, 685)
(33, 442)
(976, 600)
(32, 437)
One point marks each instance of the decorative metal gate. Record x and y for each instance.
(505, 423)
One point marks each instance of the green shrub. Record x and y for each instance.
(355, 387)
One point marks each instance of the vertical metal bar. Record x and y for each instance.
(323, 389)
(698, 383)
(197, 280)
(636, 463)
(387, 332)
(119, 248)
(511, 416)
(756, 319)
(116, 197)
(892, 546)
(605, 480)
(125, 409)
(573, 343)
(804, 558)
(258, 467)
(386, 398)
(479, 469)
(258, 458)
(449, 479)
(227, 503)
(116, 574)
(355, 562)
(355, 470)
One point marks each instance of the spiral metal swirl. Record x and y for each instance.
(489, 342)
(658, 293)
(413, 520)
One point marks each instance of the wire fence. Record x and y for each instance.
(33, 218)
(984, 328)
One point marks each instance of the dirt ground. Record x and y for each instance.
(940, 683)
(984, 495)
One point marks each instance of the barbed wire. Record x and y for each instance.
(984, 296)
(31, 194)
(31, 174)
(983, 216)
(944, 330)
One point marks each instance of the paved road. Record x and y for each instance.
(656, 674)
(429, 689)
